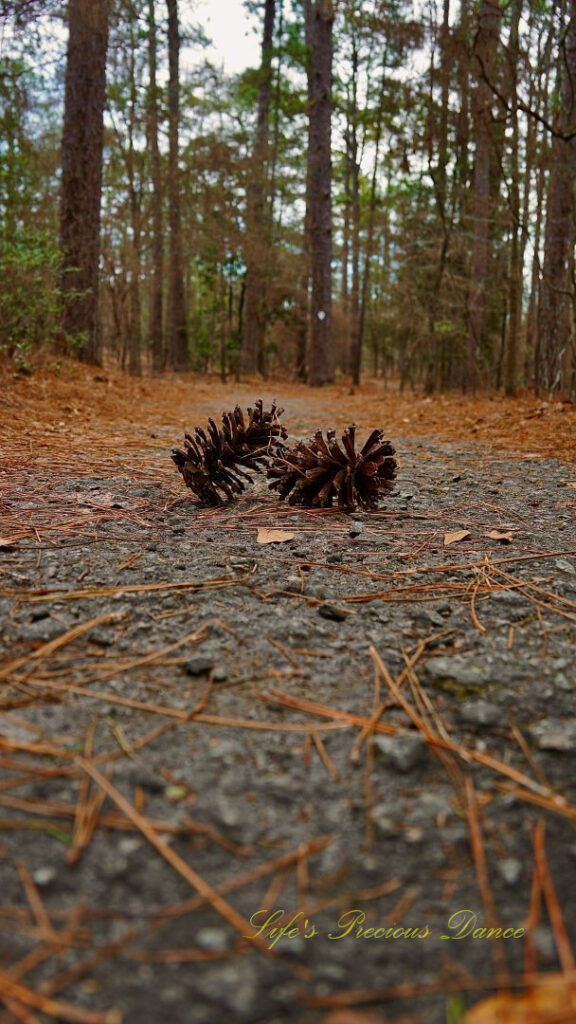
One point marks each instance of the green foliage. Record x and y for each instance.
(455, 1010)
(29, 296)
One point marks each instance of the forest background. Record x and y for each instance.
(390, 192)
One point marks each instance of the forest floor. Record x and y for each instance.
(364, 732)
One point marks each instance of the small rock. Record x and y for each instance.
(510, 869)
(428, 615)
(230, 810)
(102, 638)
(444, 609)
(414, 834)
(565, 566)
(429, 807)
(173, 994)
(220, 674)
(356, 528)
(555, 734)
(43, 631)
(44, 876)
(332, 611)
(544, 941)
(562, 682)
(293, 583)
(481, 712)
(198, 665)
(384, 821)
(332, 971)
(459, 669)
(115, 868)
(129, 845)
(401, 752)
(39, 613)
(212, 938)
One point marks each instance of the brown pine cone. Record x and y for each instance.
(317, 472)
(215, 460)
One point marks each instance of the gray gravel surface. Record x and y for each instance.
(491, 622)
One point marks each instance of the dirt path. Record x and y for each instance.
(370, 727)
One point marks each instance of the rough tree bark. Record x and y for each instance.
(319, 21)
(156, 325)
(435, 355)
(555, 350)
(177, 331)
(354, 164)
(516, 265)
(252, 349)
(82, 146)
(487, 37)
(134, 191)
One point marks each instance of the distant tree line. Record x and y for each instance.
(383, 194)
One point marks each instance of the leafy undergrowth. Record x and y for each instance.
(116, 586)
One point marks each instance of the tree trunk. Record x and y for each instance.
(257, 254)
(177, 330)
(555, 314)
(370, 238)
(484, 51)
(515, 286)
(319, 22)
(352, 143)
(156, 324)
(134, 189)
(435, 361)
(82, 146)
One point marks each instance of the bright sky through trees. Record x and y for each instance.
(234, 33)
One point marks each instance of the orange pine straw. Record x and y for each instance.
(36, 905)
(185, 870)
(533, 919)
(381, 705)
(19, 1012)
(34, 596)
(325, 756)
(347, 718)
(53, 645)
(463, 752)
(54, 1008)
(524, 747)
(483, 578)
(561, 938)
(479, 857)
(82, 831)
(189, 906)
(554, 802)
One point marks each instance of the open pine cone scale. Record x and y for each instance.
(215, 460)
(319, 472)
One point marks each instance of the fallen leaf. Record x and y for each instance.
(539, 1006)
(571, 483)
(273, 536)
(504, 535)
(453, 538)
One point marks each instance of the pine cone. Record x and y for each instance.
(316, 472)
(216, 459)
